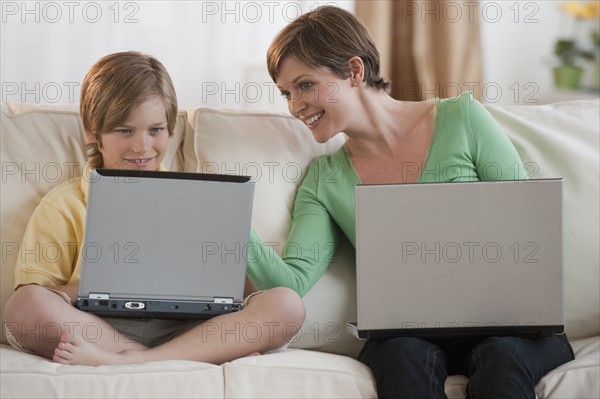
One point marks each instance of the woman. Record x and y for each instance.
(327, 68)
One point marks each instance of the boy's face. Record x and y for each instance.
(141, 141)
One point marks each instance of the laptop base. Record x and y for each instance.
(154, 309)
(530, 332)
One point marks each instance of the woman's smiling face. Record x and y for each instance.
(316, 97)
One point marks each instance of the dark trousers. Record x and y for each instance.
(497, 367)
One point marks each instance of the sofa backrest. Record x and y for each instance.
(41, 145)
(562, 140)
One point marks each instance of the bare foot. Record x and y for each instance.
(78, 351)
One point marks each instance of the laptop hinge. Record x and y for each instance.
(222, 300)
(98, 296)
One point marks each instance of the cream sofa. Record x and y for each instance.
(42, 146)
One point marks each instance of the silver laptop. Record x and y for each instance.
(456, 259)
(165, 244)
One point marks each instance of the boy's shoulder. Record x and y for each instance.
(65, 193)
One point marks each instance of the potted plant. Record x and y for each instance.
(596, 42)
(568, 72)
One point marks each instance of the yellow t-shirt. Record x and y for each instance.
(50, 252)
(50, 249)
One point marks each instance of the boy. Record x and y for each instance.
(128, 107)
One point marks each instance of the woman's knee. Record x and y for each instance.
(529, 357)
(500, 349)
(406, 367)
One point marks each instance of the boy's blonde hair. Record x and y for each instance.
(327, 37)
(114, 86)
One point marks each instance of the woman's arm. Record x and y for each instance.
(310, 246)
(495, 156)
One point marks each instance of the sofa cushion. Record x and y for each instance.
(276, 151)
(26, 376)
(562, 140)
(42, 146)
(298, 374)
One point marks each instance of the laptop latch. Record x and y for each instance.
(99, 296)
(222, 300)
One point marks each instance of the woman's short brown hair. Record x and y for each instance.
(327, 37)
(114, 86)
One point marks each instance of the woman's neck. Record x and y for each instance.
(383, 123)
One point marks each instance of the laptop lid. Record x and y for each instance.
(446, 259)
(165, 244)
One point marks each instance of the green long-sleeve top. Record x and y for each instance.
(467, 145)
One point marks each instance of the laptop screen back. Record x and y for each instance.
(166, 235)
(459, 255)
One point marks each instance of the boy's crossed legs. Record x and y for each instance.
(43, 323)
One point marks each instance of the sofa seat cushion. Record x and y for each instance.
(298, 374)
(28, 376)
